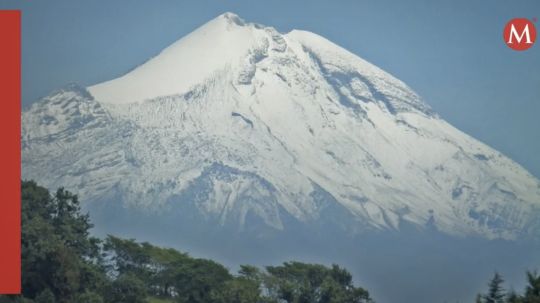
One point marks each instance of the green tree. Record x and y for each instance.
(167, 272)
(89, 297)
(532, 291)
(127, 288)
(45, 296)
(196, 278)
(496, 293)
(237, 290)
(296, 282)
(58, 255)
(251, 272)
(513, 297)
(128, 257)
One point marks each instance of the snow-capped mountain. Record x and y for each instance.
(240, 121)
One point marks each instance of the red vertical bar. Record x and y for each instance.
(10, 151)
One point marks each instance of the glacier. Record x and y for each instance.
(270, 123)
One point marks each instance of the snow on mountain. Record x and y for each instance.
(238, 119)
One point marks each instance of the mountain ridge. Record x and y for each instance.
(274, 121)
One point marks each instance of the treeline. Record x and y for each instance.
(167, 273)
(61, 262)
(497, 294)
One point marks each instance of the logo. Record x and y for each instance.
(519, 34)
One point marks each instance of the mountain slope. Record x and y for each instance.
(240, 122)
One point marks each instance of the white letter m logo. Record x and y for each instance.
(525, 32)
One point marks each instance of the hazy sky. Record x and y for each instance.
(451, 53)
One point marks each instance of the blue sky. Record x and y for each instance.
(450, 52)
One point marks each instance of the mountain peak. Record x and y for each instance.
(233, 18)
(227, 45)
(221, 42)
